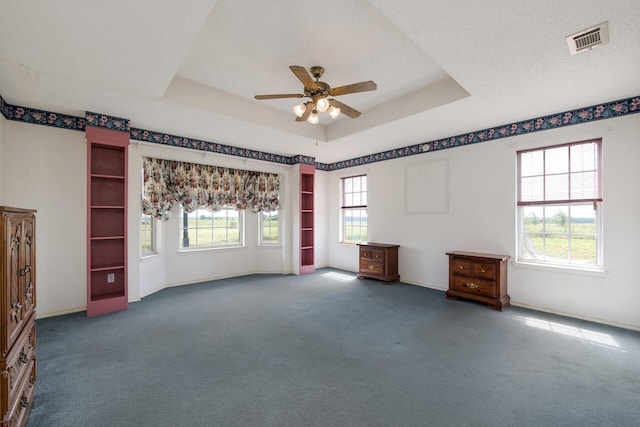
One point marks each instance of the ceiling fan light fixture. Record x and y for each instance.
(319, 92)
(322, 105)
(300, 109)
(313, 118)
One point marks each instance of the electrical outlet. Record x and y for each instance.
(111, 277)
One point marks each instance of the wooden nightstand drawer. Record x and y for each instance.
(462, 267)
(473, 286)
(376, 268)
(485, 270)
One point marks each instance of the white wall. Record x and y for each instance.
(321, 224)
(482, 217)
(45, 169)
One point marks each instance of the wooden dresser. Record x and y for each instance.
(480, 277)
(17, 309)
(379, 261)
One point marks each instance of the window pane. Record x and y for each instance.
(532, 219)
(583, 220)
(583, 157)
(531, 163)
(348, 185)
(193, 237)
(557, 187)
(583, 185)
(583, 250)
(348, 199)
(269, 227)
(147, 235)
(556, 160)
(532, 189)
(356, 184)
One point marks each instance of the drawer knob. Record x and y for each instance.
(371, 267)
(471, 285)
(23, 357)
(483, 271)
(24, 402)
(461, 268)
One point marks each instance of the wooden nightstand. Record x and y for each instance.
(379, 261)
(480, 277)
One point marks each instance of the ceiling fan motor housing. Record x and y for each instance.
(321, 91)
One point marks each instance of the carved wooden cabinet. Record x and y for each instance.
(379, 261)
(480, 277)
(17, 309)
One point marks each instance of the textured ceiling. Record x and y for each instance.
(192, 68)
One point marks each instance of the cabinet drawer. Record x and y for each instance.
(372, 254)
(371, 267)
(16, 365)
(22, 400)
(462, 267)
(484, 270)
(473, 286)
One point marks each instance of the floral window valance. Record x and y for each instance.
(169, 182)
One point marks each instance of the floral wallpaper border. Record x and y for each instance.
(108, 122)
(602, 111)
(581, 115)
(196, 144)
(41, 117)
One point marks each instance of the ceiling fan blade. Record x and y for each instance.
(303, 75)
(345, 109)
(281, 95)
(353, 88)
(310, 106)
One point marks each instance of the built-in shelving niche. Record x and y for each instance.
(107, 289)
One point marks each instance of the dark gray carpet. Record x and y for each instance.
(321, 350)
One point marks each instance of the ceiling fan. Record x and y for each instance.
(319, 92)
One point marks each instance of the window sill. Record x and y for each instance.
(274, 246)
(211, 249)
(593, 272)
(149, 257)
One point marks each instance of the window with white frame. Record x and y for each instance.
(147, 235)
(203, 228)
(559, 205)
(354, 209)
(269, 231)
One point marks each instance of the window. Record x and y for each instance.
(203, 228)
(269, 228)
(147, 235)
(354, 209)
(559, 202)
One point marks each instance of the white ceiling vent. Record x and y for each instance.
(589, 38)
